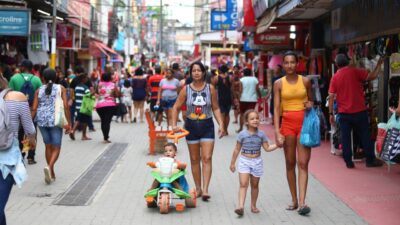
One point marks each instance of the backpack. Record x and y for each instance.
(28, 90)
(6, 134)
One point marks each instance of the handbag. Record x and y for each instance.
(310, 135)
(59, 114)
(88, 102)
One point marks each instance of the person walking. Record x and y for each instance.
(347, 87)
(167, 94)
(236, 92)
(11, 162)
(139, 83)
(277, 74)
(201, 101)
(153, 85)
(26, 83)
(249, 94)
(44, 110)
(223, 83)
(106, 104)
(126, 92)
(293, 95)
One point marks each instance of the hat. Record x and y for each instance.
(26, 63)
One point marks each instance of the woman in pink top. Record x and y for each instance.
(106, 105)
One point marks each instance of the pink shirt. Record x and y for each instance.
(106, 98)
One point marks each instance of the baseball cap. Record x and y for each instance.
(26, 63)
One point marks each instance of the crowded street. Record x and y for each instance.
(200, 112)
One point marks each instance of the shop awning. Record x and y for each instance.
(96, 49)
(248, 22)
(288, 6)
(266, 20)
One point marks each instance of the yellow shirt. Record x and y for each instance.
(293, 96)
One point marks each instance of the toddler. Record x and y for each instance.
(250, 164)
(169, 151)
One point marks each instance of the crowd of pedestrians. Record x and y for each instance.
(202, 96)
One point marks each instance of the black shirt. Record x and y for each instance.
(76, 81)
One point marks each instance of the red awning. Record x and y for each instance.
(97, 47)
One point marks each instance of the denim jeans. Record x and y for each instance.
(358, 123)
(72, 113)
(5, 190)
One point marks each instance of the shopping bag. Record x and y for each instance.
(87, 106)
(380, 137)
(391, 147)
(310, 135)
(393, 122)
(59, 116)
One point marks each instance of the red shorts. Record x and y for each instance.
(292, 121)
(244, 106)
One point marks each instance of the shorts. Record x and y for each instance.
(127, 101)
(153, 102)
(168, 103)
(225, 108)
(244, 106)
(82, 118)
(292, 121)
(253, 166)
(52, 135)
(199, 131)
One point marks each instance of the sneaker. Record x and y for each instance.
(47, 176)
(375, 163)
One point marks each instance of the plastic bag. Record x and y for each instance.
(310, 135)
(87, 106)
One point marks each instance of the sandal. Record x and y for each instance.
(255, 210)
(292, 207)
(239, 212)
(205, 197)
(304, 210)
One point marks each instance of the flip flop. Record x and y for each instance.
(255, 210)
(205, 197)
(72, 136)
(239, 212)
(304, 210)
(292, 207)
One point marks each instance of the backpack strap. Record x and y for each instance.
(4, 92)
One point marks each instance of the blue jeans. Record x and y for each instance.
(358, 123)
(72, 113)
(5, 190)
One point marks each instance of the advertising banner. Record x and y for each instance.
(15, 22)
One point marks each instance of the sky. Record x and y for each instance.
(182, 10)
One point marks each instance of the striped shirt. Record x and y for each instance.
(251, 143)
(198, 103)
(80, 91)
(20, 113)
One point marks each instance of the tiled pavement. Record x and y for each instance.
(120, 200)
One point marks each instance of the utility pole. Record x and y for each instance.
(53, 37)
(161, 27)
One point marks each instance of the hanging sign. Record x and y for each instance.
(15, 22)
(225, 20)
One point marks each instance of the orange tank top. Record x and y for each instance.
(293, 96)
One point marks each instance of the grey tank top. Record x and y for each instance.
(198, 103)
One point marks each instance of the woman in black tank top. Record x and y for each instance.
(201, 100)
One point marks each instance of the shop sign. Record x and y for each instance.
(272, 39)
(14, 22)
(65, 36)
(363, 20)
(225, 20)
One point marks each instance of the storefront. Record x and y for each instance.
(15, 27)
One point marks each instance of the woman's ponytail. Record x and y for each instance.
(49, 87)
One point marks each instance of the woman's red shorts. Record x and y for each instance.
(292, 121)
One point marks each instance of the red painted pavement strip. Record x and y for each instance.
(373, 193)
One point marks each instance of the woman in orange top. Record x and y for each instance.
(292, 96)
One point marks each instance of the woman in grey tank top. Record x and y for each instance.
(201, 101)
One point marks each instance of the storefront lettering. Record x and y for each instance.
(10, 19)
